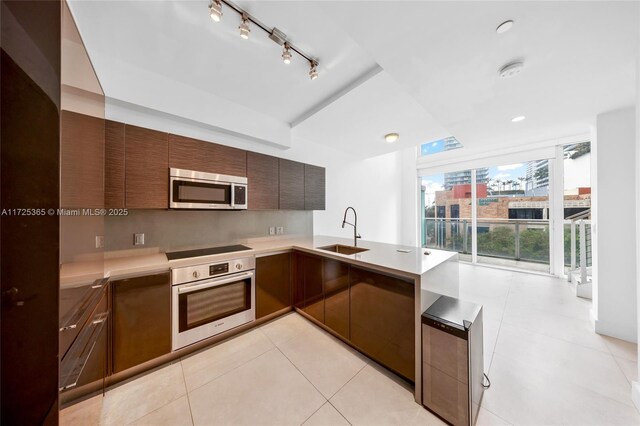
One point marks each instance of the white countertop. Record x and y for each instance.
(380, 256)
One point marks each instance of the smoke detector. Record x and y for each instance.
(511, 70)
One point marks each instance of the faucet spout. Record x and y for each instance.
(354, 224)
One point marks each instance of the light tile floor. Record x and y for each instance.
(546, 366)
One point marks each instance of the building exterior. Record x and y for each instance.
(537, 175)
(462, 177)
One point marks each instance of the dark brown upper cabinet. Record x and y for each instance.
(201, 156)
(314, 187)
(81, 161)
(146, 168)
(291, 185)
(114, 165)
(262, 174)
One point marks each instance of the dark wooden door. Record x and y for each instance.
(314, 187)
(336, 296)
(273, 283)
(81, 161)
(263, 179)
(146, 168)
(141, 320)
(114, 186)
(202, 156)
(30, 178)
(382, 319)
(291, 185)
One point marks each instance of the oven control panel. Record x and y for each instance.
(200, 272)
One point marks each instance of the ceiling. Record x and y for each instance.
(423, 69)
(579, 61)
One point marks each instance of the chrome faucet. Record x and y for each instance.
(354, 224)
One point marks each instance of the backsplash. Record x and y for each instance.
(178, 229)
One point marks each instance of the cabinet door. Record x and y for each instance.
(291, 185)
(202, 156)
(273, 283)
(114, 165)
(312, 285)
(262, 174)
(382, 319)
(146, 168)
(141, 320)
(314, 187)
(336, 296)
(81, 161)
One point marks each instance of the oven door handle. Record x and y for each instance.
(214, 283)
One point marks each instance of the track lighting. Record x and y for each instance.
(277, 36)
(313, 72)
(244, 27)
(286, 54)
(215, 10)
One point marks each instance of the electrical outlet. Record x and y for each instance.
(272, 230)
(280, 230)
(138, 239)
(99, 241)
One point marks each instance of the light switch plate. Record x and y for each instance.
(138, 239)
(99, 241)
(272, 230)
(280, 230)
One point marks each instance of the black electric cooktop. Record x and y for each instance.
(205, 251)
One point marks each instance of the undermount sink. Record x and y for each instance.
(342, 249)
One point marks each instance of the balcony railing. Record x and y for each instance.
(514, 239)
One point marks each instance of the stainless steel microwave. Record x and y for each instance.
(189, 189)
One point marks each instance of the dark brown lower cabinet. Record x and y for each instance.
(336, 296)
(311, 276)
(382, 319)
(273, 284)
(141, 320)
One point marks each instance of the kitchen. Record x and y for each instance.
(203, 257)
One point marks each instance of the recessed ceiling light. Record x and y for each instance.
(504, 27)
(518, 118)
(391, 137)
(511, 70)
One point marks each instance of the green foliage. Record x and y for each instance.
(497, 242)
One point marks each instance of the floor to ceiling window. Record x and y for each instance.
(509, 214)
(577, 208)
(447, 213)
(513, 215)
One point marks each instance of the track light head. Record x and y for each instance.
(215, 10)
(286, 54)
(313, 71)
(244, 27)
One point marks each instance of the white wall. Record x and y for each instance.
(382, 189)
(615, 217)
(635, 393)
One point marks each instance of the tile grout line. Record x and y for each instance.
(336, 408)
(227, 372)
(187, 392)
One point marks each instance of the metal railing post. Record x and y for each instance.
(573, 245)
(583, 253)
(517, 242)
(465, 237)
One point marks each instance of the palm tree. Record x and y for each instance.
(499, 182)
